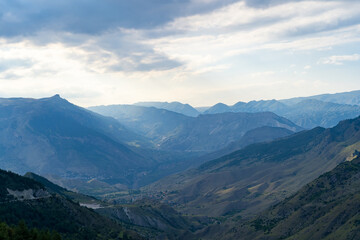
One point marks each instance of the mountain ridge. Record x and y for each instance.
(205, 133)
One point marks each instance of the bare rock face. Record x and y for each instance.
(29, 194)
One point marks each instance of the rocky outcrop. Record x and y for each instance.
(29, 194)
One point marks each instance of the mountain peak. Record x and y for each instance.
(56, 96)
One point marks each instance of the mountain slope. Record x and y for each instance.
(326, 208)
(249, 180)
(53, 136)
(150, 218)
(205, 133)
(25, 199)
(257, 135)
(56, 189)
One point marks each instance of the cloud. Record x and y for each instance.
(140, 50)
(339, 60)
(262, 74)
(139, 35)
(18, 17)
(240, 29)
(14, 63)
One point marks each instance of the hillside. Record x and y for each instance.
(326, 208)
(21, 231)
(53, 136)
(25, 199)
(150, 218)
(257, 135)
(247, 181)
(52, 188)
(175, 132)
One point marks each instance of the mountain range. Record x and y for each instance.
(205, 133)
(324, 110)
(51, 136)
(350, 98)
(307, 113)
(246, 172)
(177, 107)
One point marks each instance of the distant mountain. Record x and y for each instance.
(247, 181)
(177, 132)
(151, 122)
(178, 107)
(326, 208)
(253, 106)
(218, 108)
(307, 113)
(311, 113)
(25, 199)
(201, 109)
(350, 98)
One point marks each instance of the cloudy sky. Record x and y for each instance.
(195, 51)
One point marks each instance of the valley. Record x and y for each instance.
(179, 120)
(159, 174)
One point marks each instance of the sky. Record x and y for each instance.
(199, 52)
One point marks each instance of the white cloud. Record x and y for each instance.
(339, 60)
(239, 29)
(262, 74)
(191, 57)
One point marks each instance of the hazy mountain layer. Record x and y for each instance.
(205, 133)
(178, 107)
(307, 113)
(350, 98)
